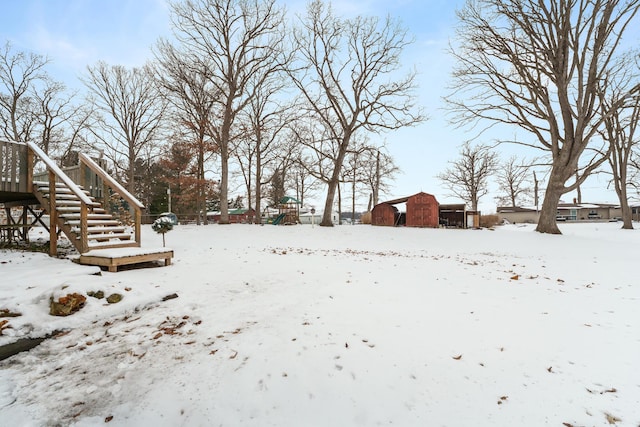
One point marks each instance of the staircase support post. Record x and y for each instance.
(138, 224)
(53, 216)
(84, 233)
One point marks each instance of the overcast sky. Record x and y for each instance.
(77, 33)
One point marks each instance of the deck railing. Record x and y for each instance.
(115, 186)
(55, 174)
(16, 175)
(83, 176)
(15, 170)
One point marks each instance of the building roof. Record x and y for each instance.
(563, 206)
(404, 199)
(453, 207)
(585, 205)
(513, 209)
(287, 199)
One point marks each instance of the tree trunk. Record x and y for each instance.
(224, 187)
(258, 215)
(199, 183)
(203, 184)
(621, 189)
(339, 205)
(328, 205)
(547, 222)
(627, 222)
(131, 185)
(376, 186)
(225, 136)
(333, 183)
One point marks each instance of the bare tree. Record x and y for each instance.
(20, 74)
(317, 151)
(55, 110)
(468, 177)
(619, 130)
(193, 99)
(537, 65)
(347, 75)
(377, 169)
(303, 182)
(513, 181)
(78, 130)
(239, 41)
(265, 119)
(132, 109)
(369, 170)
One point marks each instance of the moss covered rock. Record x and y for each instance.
(114, 298)
(67, 304)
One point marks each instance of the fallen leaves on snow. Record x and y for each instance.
(611, 419)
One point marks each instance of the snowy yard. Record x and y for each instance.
(343, 326)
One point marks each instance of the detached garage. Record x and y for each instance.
(422, 211)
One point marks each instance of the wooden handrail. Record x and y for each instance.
(130, 198)
(58, 173)
(122, 192)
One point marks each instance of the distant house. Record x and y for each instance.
(421, 211)
(315, 218)
(566, 212)
(519, 214)
(584, 211)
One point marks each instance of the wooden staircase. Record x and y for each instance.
(102, 229)
(72, 209)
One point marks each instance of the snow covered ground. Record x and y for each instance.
(342, 326)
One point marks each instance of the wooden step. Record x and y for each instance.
(101, 229)
(90, 216)
(125, 257)
(71, 200)
(106, 245)
(96, 230)
(67, 209)
(109, 236)
(68, 202)
(61, 190)
(94, 222)
(46, 184)
(76, 209)
(66, 197)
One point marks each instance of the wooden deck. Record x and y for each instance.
(78, 201)
(113, 258)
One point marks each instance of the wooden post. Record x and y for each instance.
(84, 244)
(82, 178)
(138, 221)
(53, 216)
(30, 162)
(25, 227)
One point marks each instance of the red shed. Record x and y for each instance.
(384, 214)
(422, 211)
